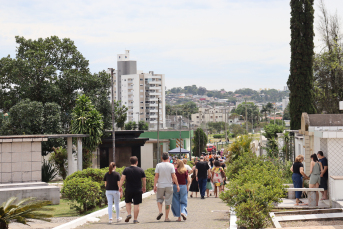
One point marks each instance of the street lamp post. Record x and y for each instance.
(158, 130)
(113, 118)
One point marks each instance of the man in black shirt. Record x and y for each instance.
(324, 174)
(134, 177)
(202, 172)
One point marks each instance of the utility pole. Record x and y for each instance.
(113, 119)
(158, 131)
(180, 135)
(274, 114)
(190, 137)
(225, 127)
(246, 116)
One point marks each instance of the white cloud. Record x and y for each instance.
(238, 43)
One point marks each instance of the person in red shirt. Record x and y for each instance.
(179, 204)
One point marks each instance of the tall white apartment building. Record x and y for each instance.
(140, 92)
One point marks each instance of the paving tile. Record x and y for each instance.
(315, 216)
(292, 217)
(334, 215)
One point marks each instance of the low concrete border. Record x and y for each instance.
(94, 217)
(233, 219)
(274, 220)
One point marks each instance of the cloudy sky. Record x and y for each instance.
(217, 44)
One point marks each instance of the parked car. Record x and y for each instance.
(211, 148)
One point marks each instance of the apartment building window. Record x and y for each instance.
(141, 84)
(142, 107)
(141, 96)
(141, 90)
(142, 102)
(141, 79)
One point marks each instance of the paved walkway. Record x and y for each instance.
(208, 213)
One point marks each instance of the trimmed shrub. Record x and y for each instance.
(190, 163)
(255, 184)
(219, 136)
(151, 171)
(83, 192)
(149, 181)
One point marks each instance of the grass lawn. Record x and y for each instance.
(63, 210)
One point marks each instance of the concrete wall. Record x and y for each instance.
(20, 161)
(147, 156)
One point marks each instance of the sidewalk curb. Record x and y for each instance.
(94, 217)
(233, 219)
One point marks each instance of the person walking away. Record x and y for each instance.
(163, 185)
(179, 204)
(202, 169)
(134, 177)
(222, 162)
(112, 179)
(175, 163)
(297, 176)
(189, 169)
(324, 175)
(194, 184)
(315, 172)
(211, 160)
(217, 177)
(208, 185)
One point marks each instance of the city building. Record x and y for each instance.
(285, 102)
(216, 114)
(139, 92)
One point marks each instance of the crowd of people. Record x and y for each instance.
(318, 177)
(174, 178)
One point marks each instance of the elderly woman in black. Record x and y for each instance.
(297, 177)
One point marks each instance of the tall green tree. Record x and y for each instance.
(87, 120)
(300, 81)
(199, 142)
(328, 63)
(120, 114)
(51, 70)
(32, 117)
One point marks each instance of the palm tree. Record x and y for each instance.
(264, 110)
(20, 212)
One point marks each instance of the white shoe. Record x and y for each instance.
(119, 219)
(110, 222)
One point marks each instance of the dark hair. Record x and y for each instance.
(320, 153)
(133, 160)
(314, 157)
(165, 156)
(216, 163)
(112, 165)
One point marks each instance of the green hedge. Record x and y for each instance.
(219, 136)
(255, 184)
(97, 176)
(83, 192)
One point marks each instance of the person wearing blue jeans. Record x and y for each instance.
(112, 179)
(297, 176)
(113, 196)
(203, 171)
(179, 203)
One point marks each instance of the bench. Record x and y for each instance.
(311, 194)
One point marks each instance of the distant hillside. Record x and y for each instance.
(267, 95)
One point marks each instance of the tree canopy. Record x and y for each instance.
(51, 70)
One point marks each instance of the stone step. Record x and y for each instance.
(305, 189)
(27, 184)
(310, 217)
(51, 193)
